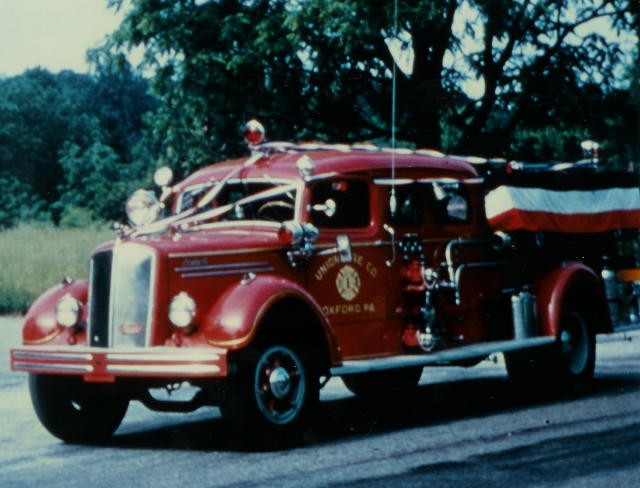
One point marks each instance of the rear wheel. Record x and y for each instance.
(576, 348)
(382, 383)
(571, 357)
(272, 394)
(75, 411)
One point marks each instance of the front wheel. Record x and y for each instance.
(75, 411)
(272, 394)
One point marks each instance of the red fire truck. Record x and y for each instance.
(254, 281)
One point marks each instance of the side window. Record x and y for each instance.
(411, 202)
(341, 204)
(452, 204)
(443, 203)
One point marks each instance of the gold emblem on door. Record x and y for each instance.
(348, 283)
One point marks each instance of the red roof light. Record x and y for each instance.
(254, 132)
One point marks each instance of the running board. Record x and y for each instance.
(439, 358)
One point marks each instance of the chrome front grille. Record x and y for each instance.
(120, 296)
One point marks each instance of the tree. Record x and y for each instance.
(36, 118)
(95, 179)
(485, 71)
(215, 64)
(18, 203)
(51, 123)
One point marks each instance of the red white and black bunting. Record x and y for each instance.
(557, 204)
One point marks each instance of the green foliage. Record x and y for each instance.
(18, 204)
(485, 73)
(34, 258)
(70, 139)
(95, 179)
(76, 218)
(36, 118)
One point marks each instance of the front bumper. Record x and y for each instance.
(106, 365)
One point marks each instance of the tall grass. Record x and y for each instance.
(32, 259)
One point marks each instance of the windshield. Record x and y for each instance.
(242, 200)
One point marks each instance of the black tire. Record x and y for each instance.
(383, 383)
(576, 351)
(75, 411)
(570, 359)
(271, 395)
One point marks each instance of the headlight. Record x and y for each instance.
(68, 311)
(163, 176)
(142, 208)
(182, 309)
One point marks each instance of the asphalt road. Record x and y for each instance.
(465, 428)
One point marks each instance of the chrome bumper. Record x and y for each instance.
(105, 365)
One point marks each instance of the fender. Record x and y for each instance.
(552, 291)
(40, 325)
(234, 319)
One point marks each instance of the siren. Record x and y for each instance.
(254, 132)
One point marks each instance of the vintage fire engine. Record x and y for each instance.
(253, 281)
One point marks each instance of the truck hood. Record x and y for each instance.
(227, 239)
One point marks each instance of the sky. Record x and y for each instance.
(53, 34)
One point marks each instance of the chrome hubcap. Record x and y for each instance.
(565, 339)
(280, 385)
(574, 343)
(280, 382)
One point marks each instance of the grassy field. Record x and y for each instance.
(33, 259)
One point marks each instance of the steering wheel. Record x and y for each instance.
(276, 210)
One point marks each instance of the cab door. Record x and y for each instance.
(350, 275)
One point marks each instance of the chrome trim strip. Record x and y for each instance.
(171, 357)
(75, 368)
(178, 369)
(209, 267)
(227, 252)
(438, 358)
(133, 351)
(200, 271)
(227, 273)
(52, 356)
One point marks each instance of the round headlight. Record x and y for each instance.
(68, 311)
(182, 309)
(142, 208)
